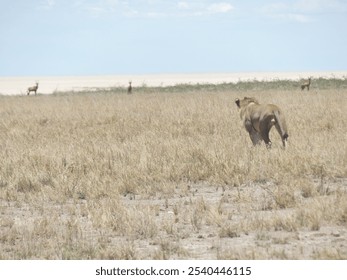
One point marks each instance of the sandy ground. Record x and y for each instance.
(47, 85)
(210, 241)
(181, 239)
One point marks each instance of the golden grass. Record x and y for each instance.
(170, 175)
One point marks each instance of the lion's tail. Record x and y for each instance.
(281, 125)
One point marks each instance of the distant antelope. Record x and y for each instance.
(130, 89)
(306, 84)
(34, 88)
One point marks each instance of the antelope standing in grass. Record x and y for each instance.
(34, 88)
(306, 84)
(130, 89)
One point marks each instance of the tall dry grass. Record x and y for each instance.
(73, 167)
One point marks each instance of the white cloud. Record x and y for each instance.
(131, 13)
(284, 11)
(183, 5)
(220, 7)
(47, 4)
(97, 8)
(153, 8)
(317, 6)
(50, 3)
(303, 10)
(294, 17)
(202, 8)
(155, 15)
(95, 11)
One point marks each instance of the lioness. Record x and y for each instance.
(258, 119)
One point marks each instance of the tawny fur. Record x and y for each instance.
(258, 120)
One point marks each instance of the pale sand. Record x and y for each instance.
(19, 85)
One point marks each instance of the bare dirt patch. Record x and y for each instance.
(195, 221)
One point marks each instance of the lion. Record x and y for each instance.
(258, 120)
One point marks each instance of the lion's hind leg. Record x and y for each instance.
(255, 137)
(265, 127)
(253, 134)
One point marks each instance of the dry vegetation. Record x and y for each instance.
(157, 175)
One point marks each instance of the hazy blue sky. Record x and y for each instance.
(99, 37)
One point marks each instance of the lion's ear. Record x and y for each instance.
(237, 101)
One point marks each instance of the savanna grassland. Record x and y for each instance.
(170, 173)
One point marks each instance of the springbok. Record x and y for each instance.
(130, 89)
(306, 84)
(34, 88)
